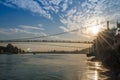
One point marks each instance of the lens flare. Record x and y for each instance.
(28, 49)
(94, 30)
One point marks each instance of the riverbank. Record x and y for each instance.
(112, 73)
(106, 48)
(11, 49)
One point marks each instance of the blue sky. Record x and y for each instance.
(30, 18)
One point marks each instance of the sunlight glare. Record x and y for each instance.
(94, 30)
(28, 49)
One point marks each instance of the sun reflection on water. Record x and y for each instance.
(95, 71)
(97, 66)
(96, 75)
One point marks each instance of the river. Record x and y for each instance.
(49, 67)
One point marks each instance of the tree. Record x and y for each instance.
(11, 49)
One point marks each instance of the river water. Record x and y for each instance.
(49, 67)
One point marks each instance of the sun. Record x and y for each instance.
(94, 30)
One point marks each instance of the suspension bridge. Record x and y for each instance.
(48, 42)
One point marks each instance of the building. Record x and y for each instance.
(117, 36)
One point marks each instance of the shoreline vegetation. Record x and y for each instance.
(106, 48)
(10, 49)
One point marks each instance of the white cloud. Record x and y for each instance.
(64, 5)
(31, 30)
(26, 32)
(30, 5)
(71, 12)
(80, 15)
(7, 4)
(55, 2)
(45, 10)
(92, 12)
(64, 28)
(4, 31)
(55, 5)
(16, 30)
(88, 7)
(23, 31)
(39, 27)
(17, 33)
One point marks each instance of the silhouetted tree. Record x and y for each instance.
(2, 49)
(10, 48)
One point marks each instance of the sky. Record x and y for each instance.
(33, 18)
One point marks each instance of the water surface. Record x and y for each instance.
(47, 67)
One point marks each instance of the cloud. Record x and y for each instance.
(90, 13)
(25, 31)
(21, 31)
(7, 4)
(64, 28)
(55, 5)
(73, 14)
(65, 5)
(30, 5)
(62, 7)
(43, 9)
(4, 31)
(39, 27)
(55, 2)
(31, 30)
